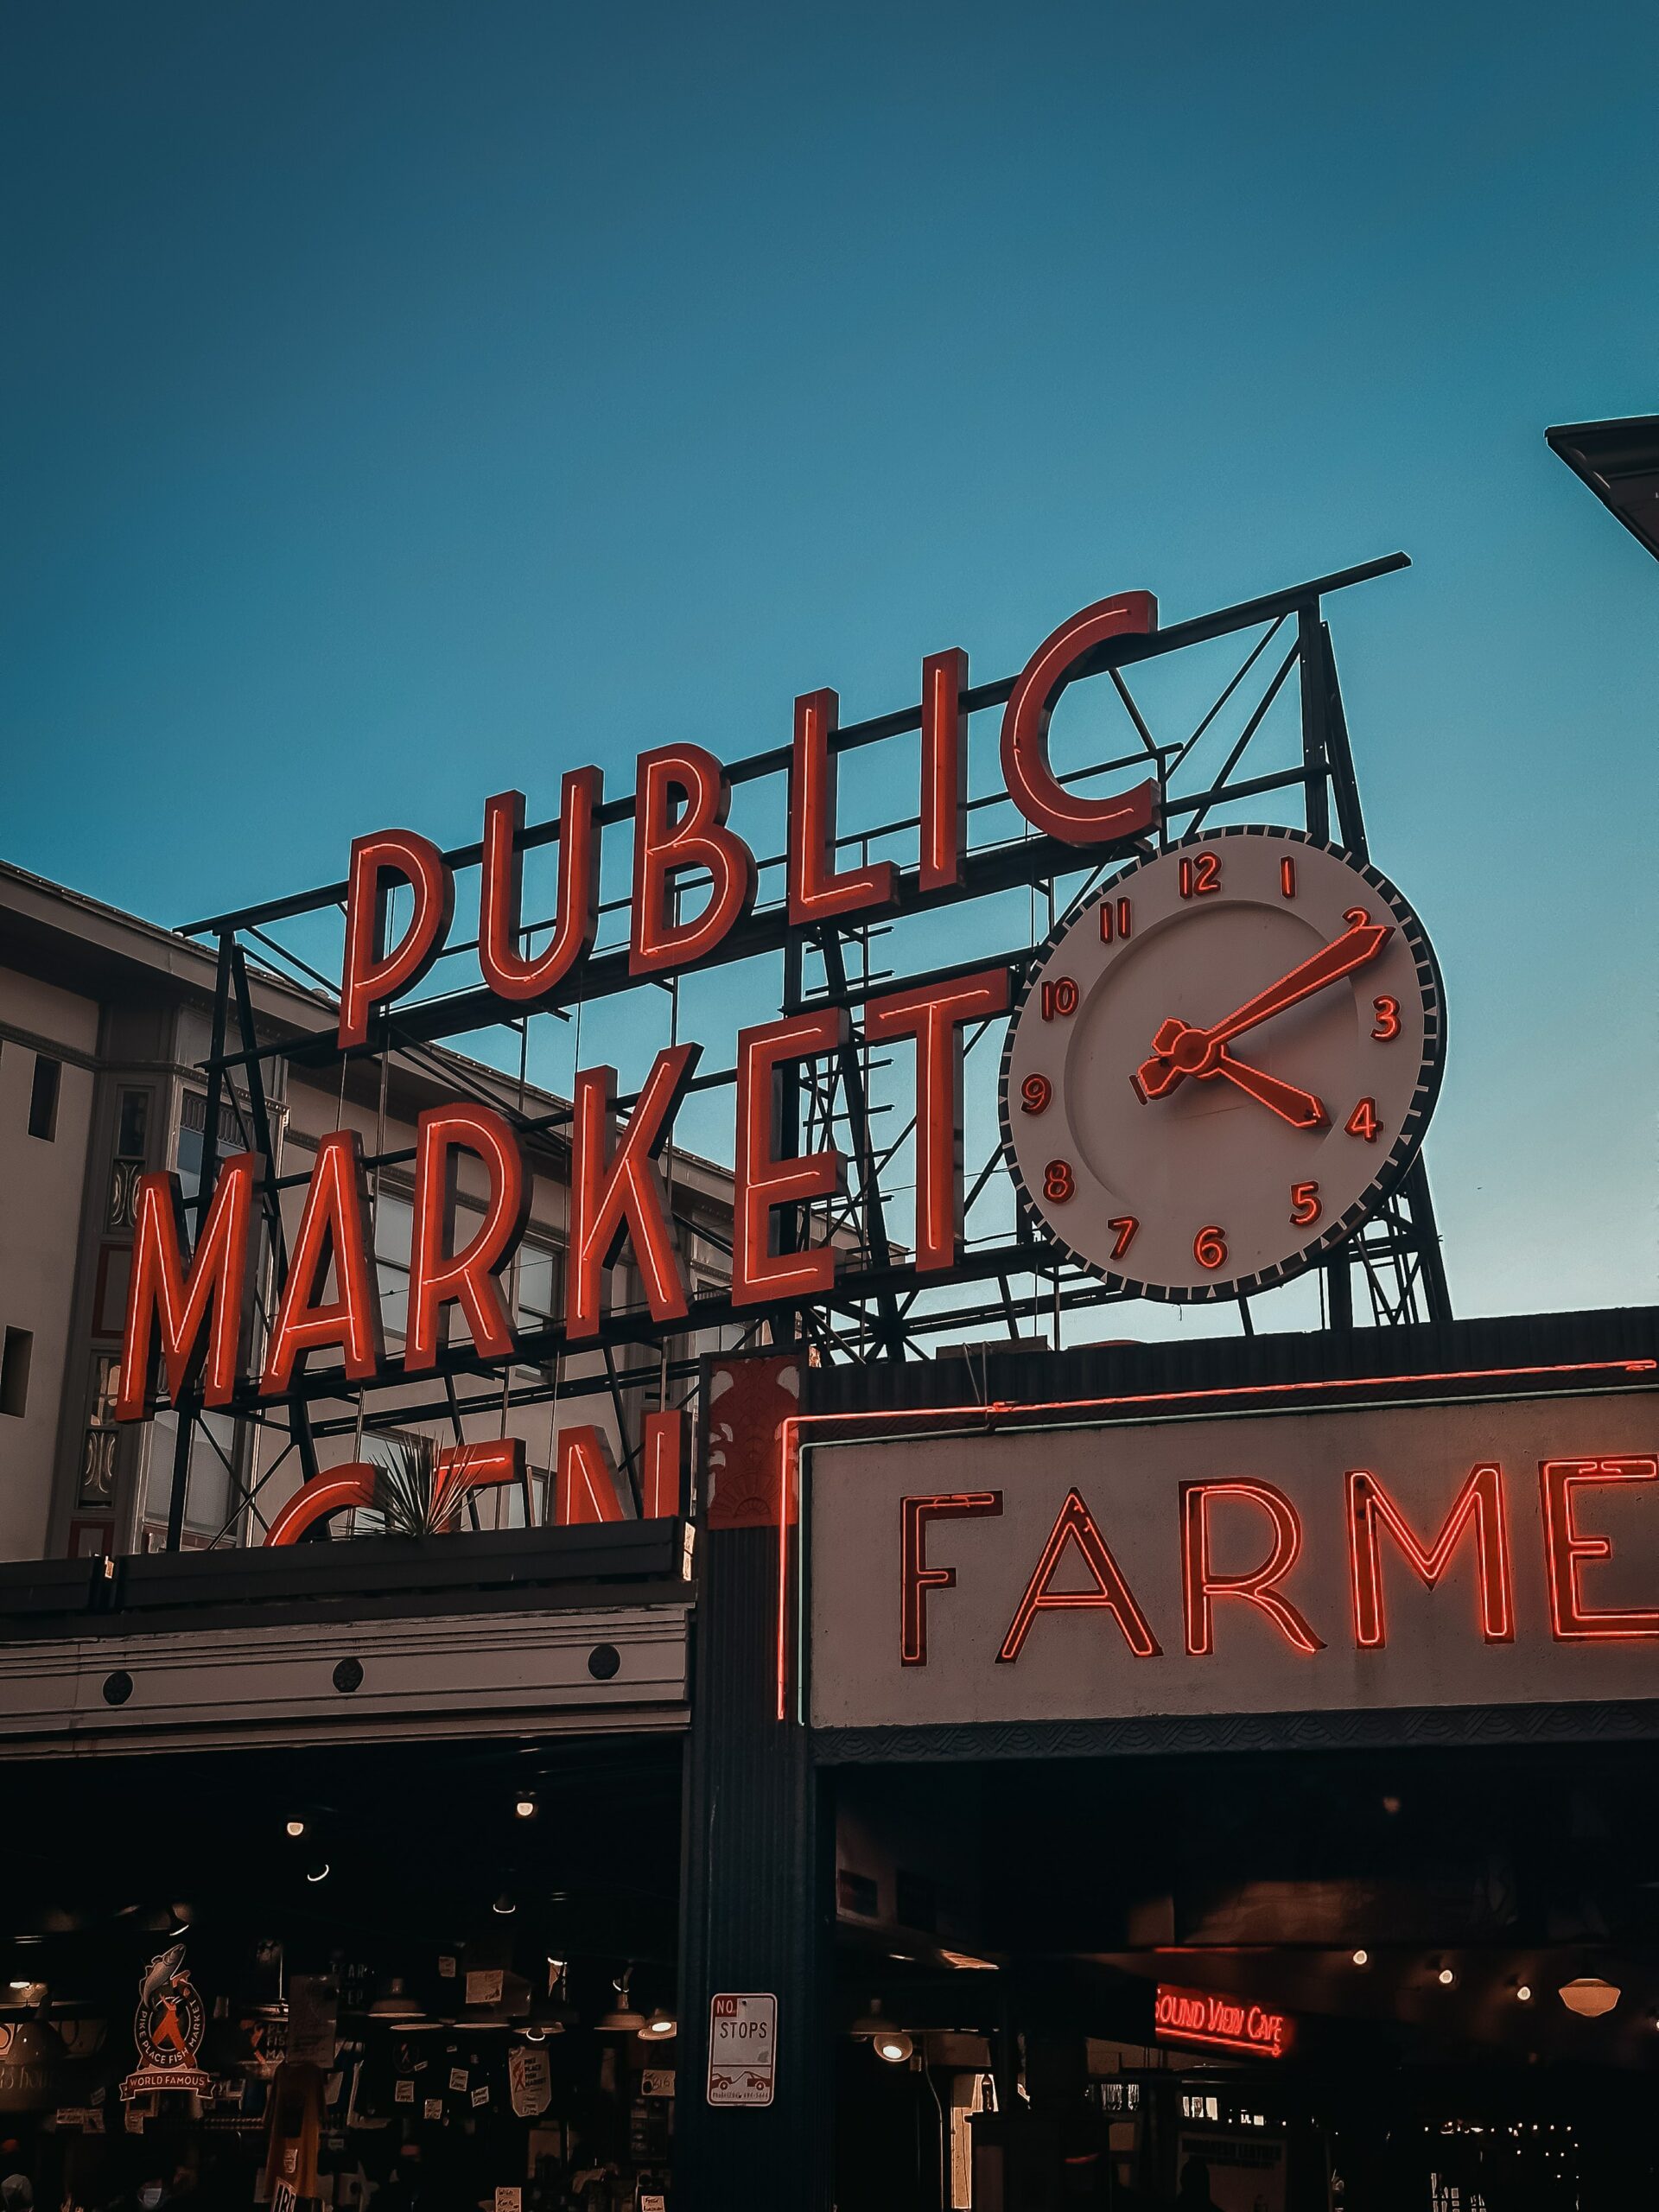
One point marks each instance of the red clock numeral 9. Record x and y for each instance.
(1362, 1121)
(1059, 997)
(1125, 1227)
(1059, 1183)
(1210, 1248)
(1304, 1203)
(1387, 1024)
(1035, 1093)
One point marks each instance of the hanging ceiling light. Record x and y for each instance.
(661, 2025)
(393, 2002)
(622, 2019)
(1362, 1958)
(1446, 1977)
(887, 2042)
(317, 1871)
(294, 1828)
(506, 1905)
(1590, 1997)
(524, 1805)
(1523, 1993)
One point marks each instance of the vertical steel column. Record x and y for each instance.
(299, 1417)
(189, 1403)
(1316, 767)
(1437, 1296)
(789, 1081)
(756, 1882)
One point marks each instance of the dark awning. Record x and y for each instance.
(1620, 463)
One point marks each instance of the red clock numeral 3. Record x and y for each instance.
(1304, 1203)
(1059, 997)
(1035, 1093)
(1125, 1227)
(1362, 1121)
(1210, 1248)
(1387, 1024)
(1058, 1185)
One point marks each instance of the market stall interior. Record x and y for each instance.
(1264, 1982)
(420, 1974)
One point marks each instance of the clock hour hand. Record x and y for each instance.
(1288, 1099)
(1180, 1049)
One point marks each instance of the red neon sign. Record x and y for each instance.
(1201, 1585)
(1219, 2023)
(1478, 1508)
(1566, 1550)
(163, 1291)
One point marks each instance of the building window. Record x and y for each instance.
(213, 1447)
(43, 1098)
(98, 1459)
(132, 1128)
(394, 1231)
(538, 1284)
(14, 1357)
(192, 1139)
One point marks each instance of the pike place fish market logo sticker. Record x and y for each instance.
(168, 2028)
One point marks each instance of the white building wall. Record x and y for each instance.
(41, 1182)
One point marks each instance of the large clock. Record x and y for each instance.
(1223, 1063)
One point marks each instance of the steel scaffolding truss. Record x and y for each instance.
(1007, 1280)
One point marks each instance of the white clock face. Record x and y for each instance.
(1223, 1063)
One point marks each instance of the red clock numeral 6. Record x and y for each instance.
(1059, 1183)
(1059, 997)
(1304, 1203)
(1124, 1228)
(1362, 1121)
(1210, 1248)
(1035, 1093)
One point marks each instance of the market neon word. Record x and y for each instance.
(682, 796)
(1198, 2016)
(196, 1309)
(1478, 1516)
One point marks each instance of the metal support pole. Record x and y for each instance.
(189, 1404)
(1316, 769)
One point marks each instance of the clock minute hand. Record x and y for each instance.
(1180, 1049)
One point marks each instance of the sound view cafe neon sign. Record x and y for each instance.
(189, 1309)
(1216, 2023)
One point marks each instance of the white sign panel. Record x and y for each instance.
(742, 2049)
(1358, 1559)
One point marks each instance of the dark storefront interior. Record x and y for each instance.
(479, 1902)
(1414, 1916)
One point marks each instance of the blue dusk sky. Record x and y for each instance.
(406, 401)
